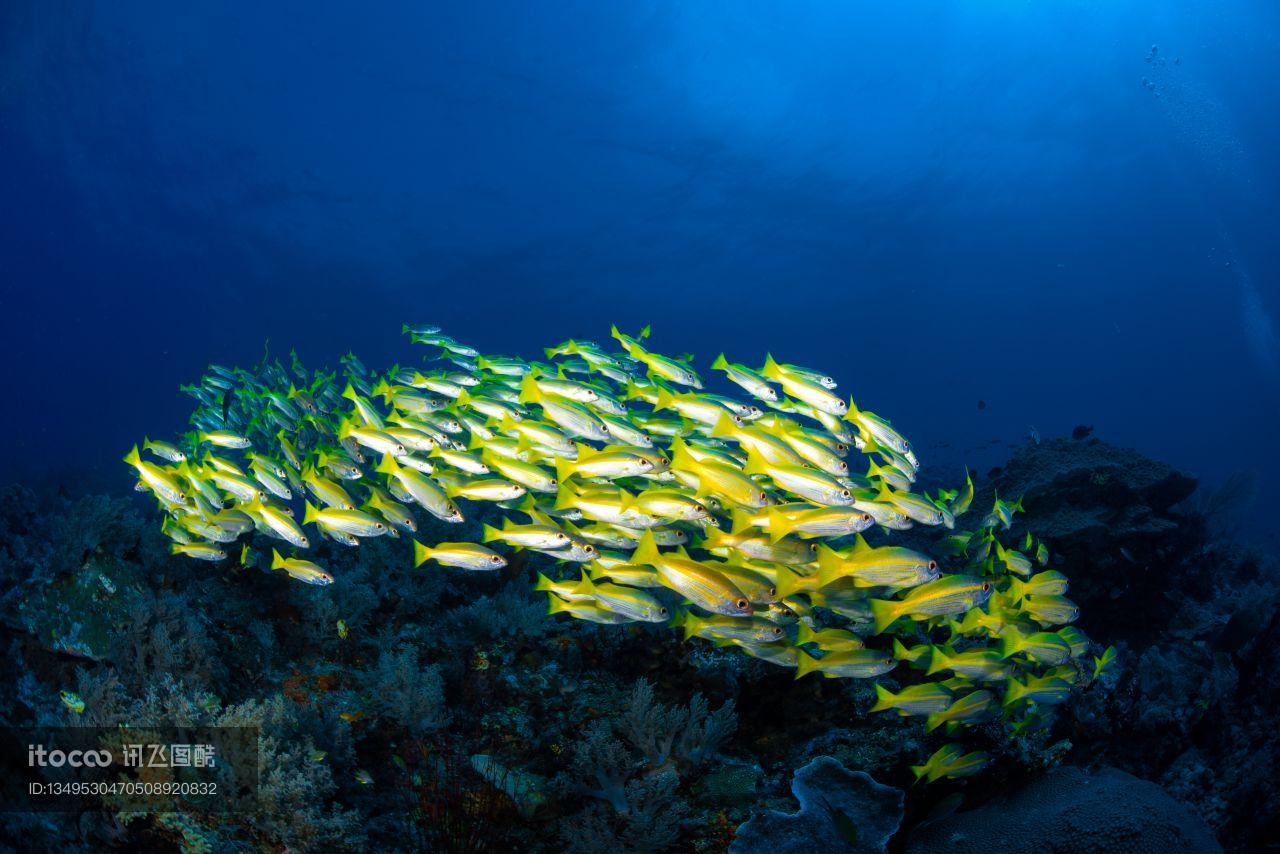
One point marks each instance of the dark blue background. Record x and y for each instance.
(937, 202)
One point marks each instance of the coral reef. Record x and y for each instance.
(625, 738)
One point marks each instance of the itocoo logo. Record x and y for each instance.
(39, 755)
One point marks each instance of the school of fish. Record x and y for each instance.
(740, 520)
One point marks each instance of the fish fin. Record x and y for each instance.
(723, 427)
(566, 497)
(585, 587)
(787, 583)
(1014, 691)
(937, 661)
(740, 521)
(884, 611)
(830, 565)
(420, 553)
(779, 524)
(646, 552)
(770, 369)
(529, 391)
(564, 470)
(884, 699)
(755, 464)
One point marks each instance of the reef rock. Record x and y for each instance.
(1072, 810)
(1107, 515)
(1072, 487)
(840, 810)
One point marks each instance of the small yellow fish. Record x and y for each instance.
(303, 570)
(72, 701)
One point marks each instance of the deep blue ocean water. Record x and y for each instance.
(1067, 211)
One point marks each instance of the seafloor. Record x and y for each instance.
(484, 725)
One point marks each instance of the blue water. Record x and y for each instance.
(939, 203)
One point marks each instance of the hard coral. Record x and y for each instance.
(1071, 810)
(840, 810)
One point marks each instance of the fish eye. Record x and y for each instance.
(906, 447)
(773, 591)
(562, 536)
(662, 612)
(933, 564)
(589, 549)
(496, 559)
(763, 497)
(844, 493)
(742, 604)
(986, 585)
(866, 517)
(813, 547)
(378, 526)
(553, 482)
(842, 466)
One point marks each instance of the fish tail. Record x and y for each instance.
(421, 554)
(805, 664)
(884, 611)
(788, 582)
(804, 634)
(1014, 691)
(646, 553)
(564, 470)
(741, 521)
(723, 427)
(720, 364)
(937, 662)
(277, 562)
(529, 391)
(830, 566)
(770, 369)
(884, 699)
